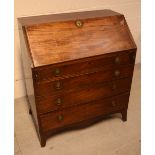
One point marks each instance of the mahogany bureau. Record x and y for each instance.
(78, 68)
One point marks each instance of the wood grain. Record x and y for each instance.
(84, 112)
(78, 75)
(62, 41)
(90, 93)
(82, 81)
(31, 20)
(83, 66)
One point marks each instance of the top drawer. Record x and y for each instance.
(87, 65)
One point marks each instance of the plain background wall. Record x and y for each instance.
(130, 8)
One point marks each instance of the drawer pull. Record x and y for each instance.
(59, 101)
(60, 117)
(79, 23)
(117, 73)
(58, 85)
(114, 103)
(57, 72)
(117, 60)
(114, 87)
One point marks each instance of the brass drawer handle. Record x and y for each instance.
(57, 72)
(59, 101)
(113, 103)
(79, 23)
(58, 85)
(117, 73)
(60, 117)
(114, 87)
(117, 60)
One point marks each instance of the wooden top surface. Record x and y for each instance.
(65, 16)
(56, 38)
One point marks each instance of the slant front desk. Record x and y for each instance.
(78, 68)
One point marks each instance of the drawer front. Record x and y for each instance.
(81, 82)
(95, 92)
(64, 70)
(83, 112)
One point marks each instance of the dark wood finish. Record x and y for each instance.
(82, 81)
(90, 93)
(66, 16)
(75, 68)
(78, 68)
(62, 41)
(83, 112)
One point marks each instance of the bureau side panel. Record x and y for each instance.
(27, 66)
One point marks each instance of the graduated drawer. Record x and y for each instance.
(83, 81)
(82, 66)
(95, 92)
(79, 113)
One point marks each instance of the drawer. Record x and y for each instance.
(79, 113)
(95, 92)
(81, 82)
(82, 66)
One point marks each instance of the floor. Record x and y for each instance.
(108, 137)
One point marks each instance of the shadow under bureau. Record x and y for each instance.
(78, 67)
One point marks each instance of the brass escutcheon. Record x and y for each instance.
(57, 72)
(114, 86)
(117, 73)
(79, 23)
(117, 60)
(59, 101)
(60, 117)
(113, 103)
(58, 85)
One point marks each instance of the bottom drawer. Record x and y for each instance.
(83, 112)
